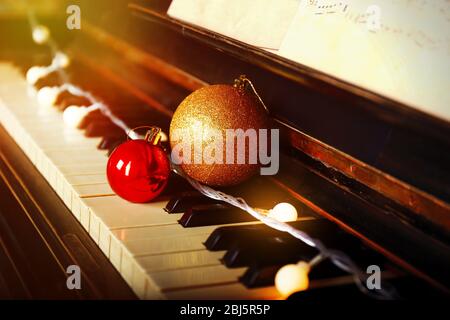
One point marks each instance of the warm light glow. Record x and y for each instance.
(292, 278)
(35, 73)
(62, 59)
(40, 34)
(47, 96)
(164, 137)
(73, 115)
(284, 212)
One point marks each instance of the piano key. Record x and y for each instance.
(118, 213)
(91, 117)
(178, 260)
(176, 185)
(152, 246)
(110, 142)
(225, 237)
(268, 251)
(66, 99)
(81, 169)
(102, 129)
(50, 80)
(213, 214)
(260, 275)
(191, 277)
(61, 157)
(76, 180)
(185, 200)
(152, 233)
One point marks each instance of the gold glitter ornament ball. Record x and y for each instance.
(217, 108)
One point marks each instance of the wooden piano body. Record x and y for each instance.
(374, 167)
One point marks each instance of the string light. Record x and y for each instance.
(73, 115)
(292, 278)
(40, 34)
(62, 59)
(47, 96)
(284, 212)
(35, 73)
(338, 258)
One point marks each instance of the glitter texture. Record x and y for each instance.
(219, 107)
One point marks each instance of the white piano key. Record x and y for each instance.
(94, 228)
(93, 190)
(70, 156)
(195, 277)
(143, 233)
(76, 180)
(104, 241)
(138, 282)
(179, 260)
(85, 215)
(81, 169)
(151, 246)
(117, 213)
(115, 252)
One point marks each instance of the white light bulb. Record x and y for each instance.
(47, 96)
(62, 60)
(35, 73)
(284, 212)
(292, 278)
(163, 137)
(73, 115)
(40, 34)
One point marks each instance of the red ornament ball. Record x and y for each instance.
(138, 170)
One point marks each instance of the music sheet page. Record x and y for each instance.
(262, 23)
(398, 48)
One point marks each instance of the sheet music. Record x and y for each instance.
(399, 48)
(262, 23)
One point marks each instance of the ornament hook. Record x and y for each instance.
(242, 82)
(153, 134)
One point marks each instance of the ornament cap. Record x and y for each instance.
(153, 134)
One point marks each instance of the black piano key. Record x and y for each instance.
(92, 117)
(176, 185)
(260, 275)
(213, 214)
(66, 99)
(268, 251)
(102, 129)
(224, 238)
(110, 142)
(51, 80)
(181, 202)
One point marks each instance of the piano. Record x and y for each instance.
(369, 175)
